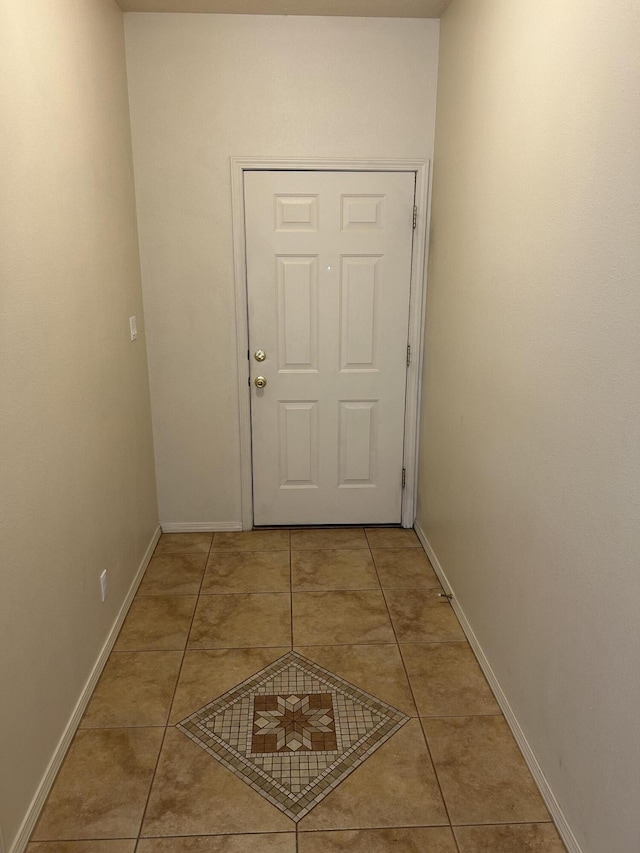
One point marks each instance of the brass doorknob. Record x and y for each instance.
(259, 355)
(260, 381)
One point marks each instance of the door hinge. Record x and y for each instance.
(415, 216)
(404, 477)
(408, 354)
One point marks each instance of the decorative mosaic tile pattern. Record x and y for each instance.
(293, 731)
(290, 723)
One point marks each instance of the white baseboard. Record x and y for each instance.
(48, 779)
(564, 830)
(201, 527)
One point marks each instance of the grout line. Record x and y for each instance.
(395, 547)
(227, 552)
(434, 643)
(381, 828)
(296, 645)
(506, 823)
(228, 594)
(166, 727)
(166, 556)
(224, 835)
(291, 618)
(457, 716)
(55, 841)
(338, 589)
(409, 716)
(302, 645)
(362, 643)
(117, 728)
(444, 803)
(426, 826)
(191, 836)
(282, 645)
(349, 548)
(327, 591)
(139, 651)
(142, 652)
(297, 843)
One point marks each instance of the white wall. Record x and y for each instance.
(530, 468)
(205, 88)
(76, 455)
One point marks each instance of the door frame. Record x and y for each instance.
(417, 309)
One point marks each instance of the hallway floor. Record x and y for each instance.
(206, 735)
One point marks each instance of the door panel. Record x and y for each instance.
(298, 446)
(359, 320)
(297, 313)
(357, 442)
(328, 285)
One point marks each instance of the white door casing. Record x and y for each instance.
(329, 263)
(328, 287)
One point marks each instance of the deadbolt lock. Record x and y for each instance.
(260, 382)
(260, 355)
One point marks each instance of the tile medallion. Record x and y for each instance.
(293, 731)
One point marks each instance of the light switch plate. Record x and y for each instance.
(133, 327)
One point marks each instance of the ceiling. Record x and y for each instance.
(356, 8)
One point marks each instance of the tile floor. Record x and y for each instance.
(215, 609)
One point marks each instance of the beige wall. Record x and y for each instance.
(530, 465)
(76, 455)
(203, 89)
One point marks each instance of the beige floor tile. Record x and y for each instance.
(482, 773)
(340, 622)
(234, 621)
(209, 673)
(135, 689)
(377, 669)
(193, 794)
(276, 842)
(415, 840)
(327, 618)
(102, 786)
(183, 543)
(396, 786)
(447, 680)
(157, 623)
(349, 568)
(419, 616)
(247, 571)
(175, 574)
(252, 540)
(337, 537)
(523, 838)
(121, 846)
(404, 568)
(392, 537)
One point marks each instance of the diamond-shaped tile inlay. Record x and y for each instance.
(293, 731)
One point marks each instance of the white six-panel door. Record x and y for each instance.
(328, 285)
